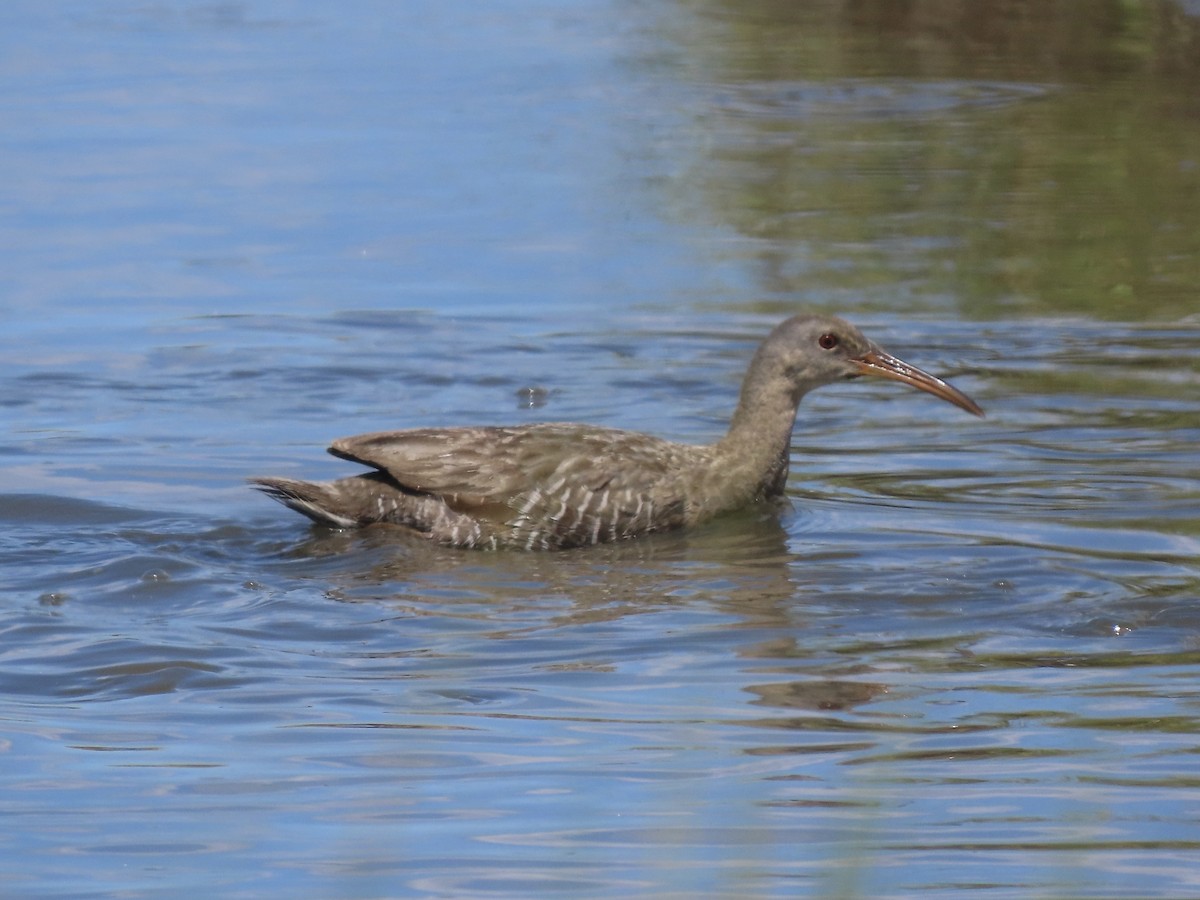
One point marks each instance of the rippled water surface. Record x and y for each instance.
(962, 658)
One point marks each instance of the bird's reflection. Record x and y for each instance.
(741, 567)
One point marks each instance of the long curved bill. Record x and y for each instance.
(883, 365)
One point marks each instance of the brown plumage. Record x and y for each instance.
(552, 486)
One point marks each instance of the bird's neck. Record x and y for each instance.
(754, 453)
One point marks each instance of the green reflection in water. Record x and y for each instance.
(1006, 159)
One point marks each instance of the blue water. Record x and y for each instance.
(961, 658)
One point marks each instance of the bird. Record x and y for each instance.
(554, 486)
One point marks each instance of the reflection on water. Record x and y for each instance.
(931, 153)
(961, 658)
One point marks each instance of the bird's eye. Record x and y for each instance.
(827, 341)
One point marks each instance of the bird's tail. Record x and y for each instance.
(324, 503)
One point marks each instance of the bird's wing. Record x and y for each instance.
(553, 484)
(496, 462)
(462, 461)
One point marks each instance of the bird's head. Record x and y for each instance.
(815, 349)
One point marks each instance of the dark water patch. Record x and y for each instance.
(67, 512)
(96, 669)
(872, 99)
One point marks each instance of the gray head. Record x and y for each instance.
(813, 349)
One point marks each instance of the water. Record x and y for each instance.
(961, 658)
